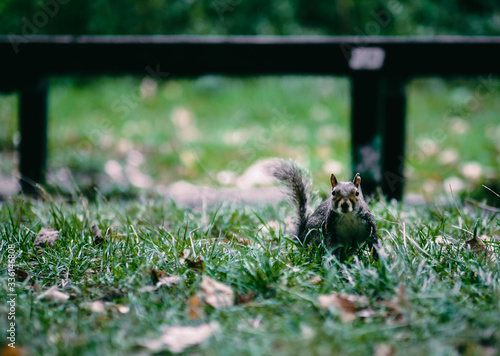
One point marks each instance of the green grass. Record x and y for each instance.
(196, 129)
(452, 295)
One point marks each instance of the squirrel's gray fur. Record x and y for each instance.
(342, 223)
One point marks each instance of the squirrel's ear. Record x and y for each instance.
(333, 179)
(357, 180)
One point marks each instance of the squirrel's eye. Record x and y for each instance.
(357, 193)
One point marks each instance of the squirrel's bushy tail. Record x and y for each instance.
(297, 188)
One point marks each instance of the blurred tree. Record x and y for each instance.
(245, 17)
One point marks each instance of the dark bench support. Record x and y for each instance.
(33, 130)
(366, 111)
(378, 125)
(393, 143)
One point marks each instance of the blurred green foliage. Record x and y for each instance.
(256, 17)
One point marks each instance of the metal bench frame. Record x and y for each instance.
(379, 68)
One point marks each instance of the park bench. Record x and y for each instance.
(379, 68)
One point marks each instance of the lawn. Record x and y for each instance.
(130, 270)
(429, 293)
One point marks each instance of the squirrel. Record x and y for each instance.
(342, 224)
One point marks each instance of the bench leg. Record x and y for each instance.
(393, 147)
(33, 130)
(366, 111)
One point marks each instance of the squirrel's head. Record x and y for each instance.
(345, 195)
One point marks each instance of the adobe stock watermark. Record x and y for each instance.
(121, 106)
(224, 6)
(484, 89)
(11, 296)
(354, 53)
(31, 27)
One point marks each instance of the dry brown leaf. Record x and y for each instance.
(195, 311)
(168, 281)
(197, 264)
(185, 255)
(345, 307)
(245, 298)
(480, 249)
(178, 338)
(53, 295)
(156, 274)
(123, 309)
(97, 233)
(234, 236)
(384, 349)
(21, 275)
(315, 280)
(36, 287)
(366, 313)
(147, 289)
(45, 238)
(216, 294)
(97, 307)
(244, 241)
(11, 351)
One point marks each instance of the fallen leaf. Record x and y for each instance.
(195, 311)
(168, 281)
(366, 313)
(97, 307)
(384, 349)
(315, 280)
(36, 287)
(216, 294)
(480, 249)
(345, 307)
(178, 338)
(197, 264)
(21, 275)
(233, 236)
(245, 298)
(185, 255)
(97, 233)
(156, 274)
(53, 295)
(123, 309)
(45, 238)
(17, 351)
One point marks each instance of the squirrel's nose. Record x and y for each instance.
(344, 206)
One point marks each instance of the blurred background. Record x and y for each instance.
(123, 134)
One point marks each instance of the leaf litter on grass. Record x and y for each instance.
(45, 238)
(349, 307)
(216, 294)
(372, 289)
(178, 338)
(54, 295)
